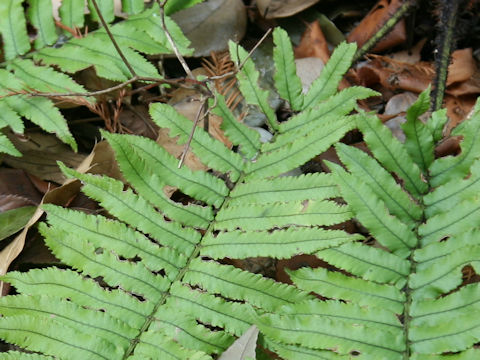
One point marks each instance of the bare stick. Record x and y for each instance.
(172, 43)
(190, 137)
(114, 42)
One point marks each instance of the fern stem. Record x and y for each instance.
(385, 29)
(408, 290)
(179, 277)
(112, 39)
(445, 43)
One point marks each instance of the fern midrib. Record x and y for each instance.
(180, 275)
(408, 290)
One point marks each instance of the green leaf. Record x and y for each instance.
(331, 75)
(371, 211)
(300, 149)
(248, 77)
(436, 123)
(380, 182)
(71, 13)
(10, 118)
(211, 151)
(106, 9)
(456, 167)
(43, 112)
(287, 82)
(132, 6)
(391, 153)
(12, 221)
(239, 134)
(45, 79)
(7, 147)
(40, 16)
(13, 28)
(419, 140)
(172, 6)
(281, 244)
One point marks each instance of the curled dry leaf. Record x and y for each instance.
(374, 20)
(271, 9)
(209, 25)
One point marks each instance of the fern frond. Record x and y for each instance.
(392, 154)
(326, 84)
(287, 82)
(13, 28)
(156, 269)
(299, 149)
(456, 167)
(280, 244)
(42, 20)
(248, 139)
(248, 83)
(213, 153)
(419, 140)
(380, 182)
(106, 8)
(71, 13)
(7, 147)
(142, 32)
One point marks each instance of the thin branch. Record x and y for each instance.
(114, 42)
(242, 64)
(190, 137)
(172, 43)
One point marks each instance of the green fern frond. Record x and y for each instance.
(164, 280)
(288, 84)
(152, 278)
(327, 83)
(411, 271)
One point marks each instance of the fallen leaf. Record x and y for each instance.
(374, 20)
(462, 66)
(244, 347)
(40, 155)
(17, 190)
(313, 44)
(211, 24)
(14, 220)
(271, 9)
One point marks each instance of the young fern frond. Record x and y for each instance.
(165, 290)
(139, 33)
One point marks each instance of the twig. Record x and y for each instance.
(190, 137)
(112, 39)
(179, 56)
(242, 64)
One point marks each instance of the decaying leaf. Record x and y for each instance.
(374, 20)
(244, 347)
(40, 155)
(313, 44)
(209, 25)
(271, 9)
